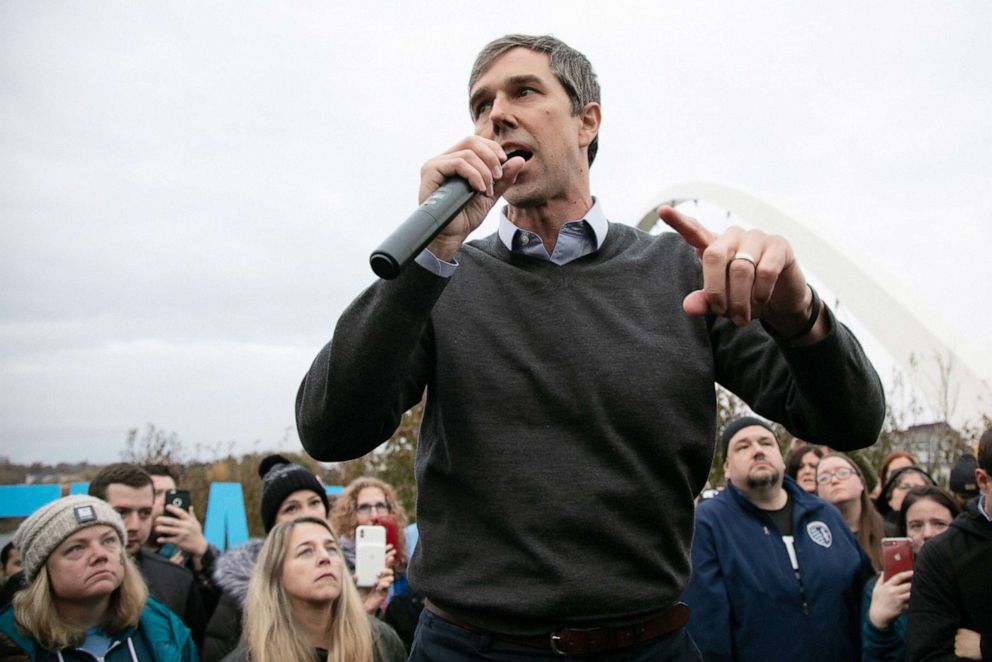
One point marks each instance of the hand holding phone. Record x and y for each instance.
(370, 554)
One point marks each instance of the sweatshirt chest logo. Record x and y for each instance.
(820, 533)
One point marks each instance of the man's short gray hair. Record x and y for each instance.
(570, 67)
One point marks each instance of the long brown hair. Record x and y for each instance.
(871, 526)
(938, 495)
(270, 634)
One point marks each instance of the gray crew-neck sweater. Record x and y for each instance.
(569, 421)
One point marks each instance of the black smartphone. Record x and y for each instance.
(177, 498)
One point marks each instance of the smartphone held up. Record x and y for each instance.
(370, 554)
(178, 498)
(897, 556)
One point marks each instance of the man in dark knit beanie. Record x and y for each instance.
(764, 536)
(736, 426)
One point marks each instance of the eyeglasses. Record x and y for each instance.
(842, 474)
(380, 508)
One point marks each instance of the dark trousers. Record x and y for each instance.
(437, 640)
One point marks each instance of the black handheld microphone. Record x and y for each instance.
(420, 228)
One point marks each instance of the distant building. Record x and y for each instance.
(937, 446)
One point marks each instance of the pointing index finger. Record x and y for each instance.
(694, 233)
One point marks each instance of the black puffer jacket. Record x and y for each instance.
(231, 575)
(951, 586)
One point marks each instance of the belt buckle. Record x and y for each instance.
(575, 639)
(555, 638)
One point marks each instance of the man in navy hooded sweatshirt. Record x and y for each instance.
(776, 573)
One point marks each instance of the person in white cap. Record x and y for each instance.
(84, 598)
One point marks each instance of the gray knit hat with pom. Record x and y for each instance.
(38, 536)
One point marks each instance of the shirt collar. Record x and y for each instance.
(594, 217)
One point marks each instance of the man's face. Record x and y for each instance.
(161, 485)
(754, 460)
(519, 103)
(134, 505)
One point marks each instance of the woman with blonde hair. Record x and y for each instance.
(289, 491)
(302, 604)
(84, 598)
(839, 481)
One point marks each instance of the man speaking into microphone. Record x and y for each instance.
(569, 364)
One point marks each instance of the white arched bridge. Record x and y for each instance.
(926, 349)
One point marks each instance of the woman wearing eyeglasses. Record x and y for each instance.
(900, 482)
(839, 482)
(926, 512)
(369, 501)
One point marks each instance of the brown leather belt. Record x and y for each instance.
(581, 642)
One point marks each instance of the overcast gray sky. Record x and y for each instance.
(189, 191)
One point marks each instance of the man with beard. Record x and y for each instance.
(776, 573)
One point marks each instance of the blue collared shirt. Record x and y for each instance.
(982, 502)
(576, 239)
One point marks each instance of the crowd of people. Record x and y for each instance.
(569, 365)
(121, 575)
(788, 562)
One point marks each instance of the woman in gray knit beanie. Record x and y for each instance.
(84, 598)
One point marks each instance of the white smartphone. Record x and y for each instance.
(370, 554)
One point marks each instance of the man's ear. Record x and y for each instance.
(589, 119)
(984, 481)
